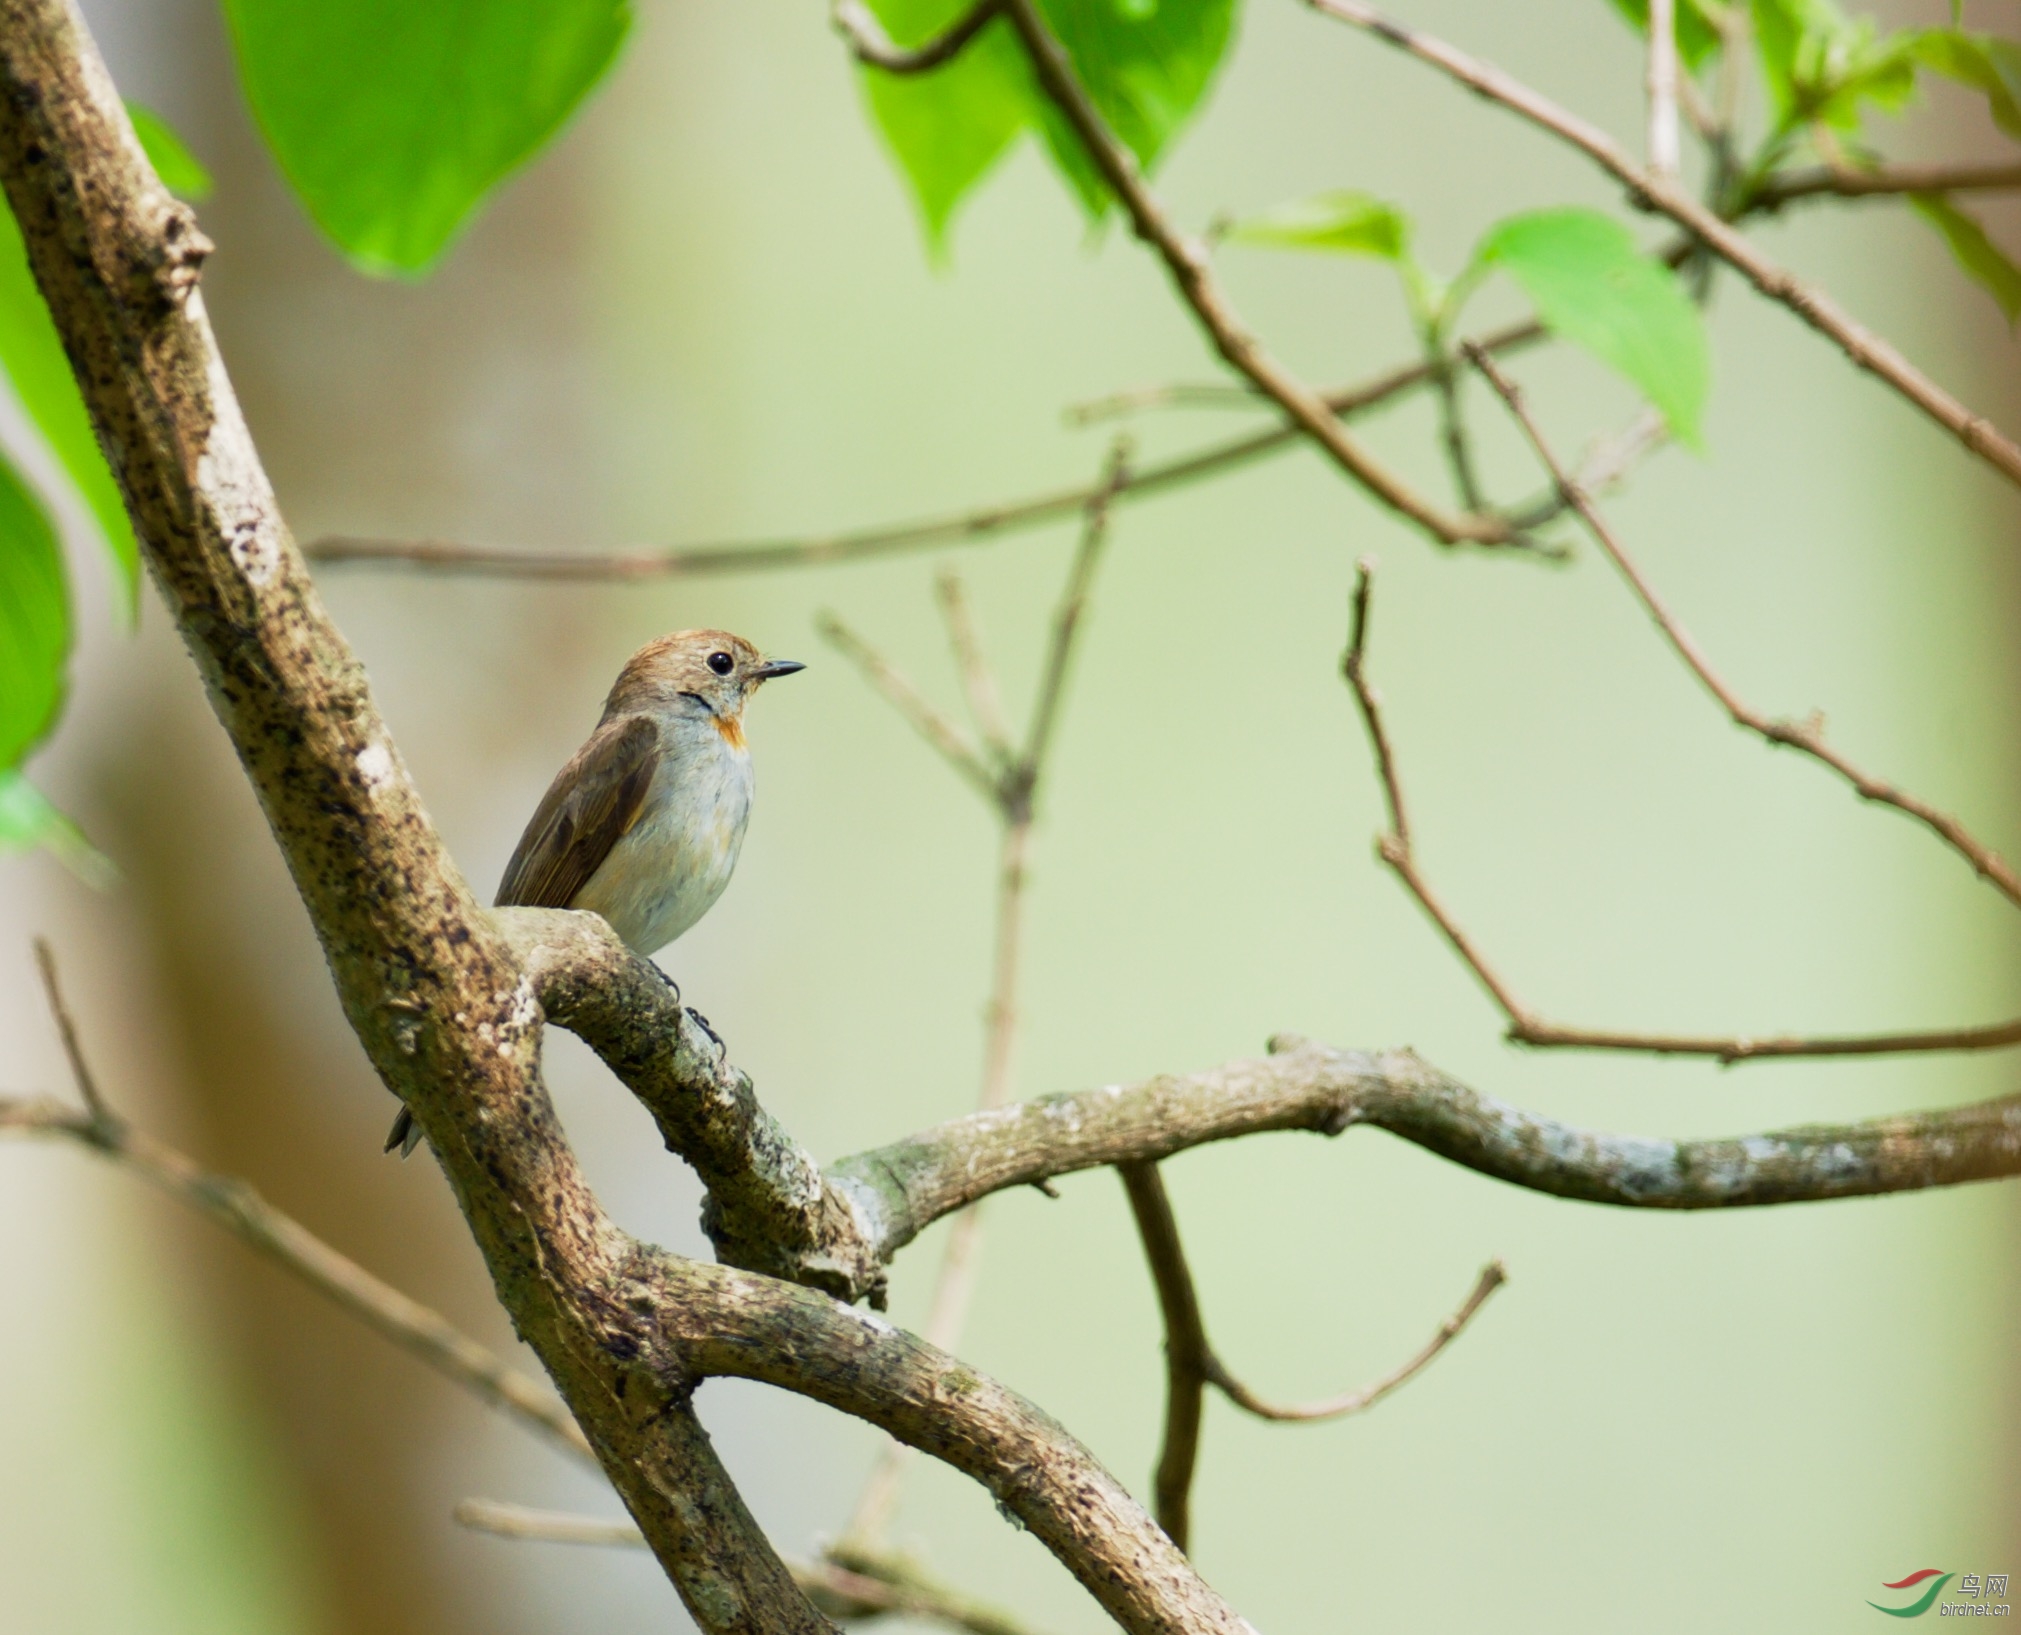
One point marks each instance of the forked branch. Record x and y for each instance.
(1191, 1363)
(1525, 1025)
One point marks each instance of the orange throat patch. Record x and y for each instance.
(732, 729)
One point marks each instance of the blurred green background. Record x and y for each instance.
(705, 314)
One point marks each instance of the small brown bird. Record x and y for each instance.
(644, 824)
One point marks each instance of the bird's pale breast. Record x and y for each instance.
(667, 871)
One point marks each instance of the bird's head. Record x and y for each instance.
(695, 672)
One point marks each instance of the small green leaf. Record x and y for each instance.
(28, 820)
(1343, 221)
(1983, 260)
(181, 172)
(1989, 65)
(1146, 64)
(393, 119)
(1697, 34)
(947, 129)
(34, 619)
(1594, 287)
(33, 357)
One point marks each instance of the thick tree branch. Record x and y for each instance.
(769, 1207)
(433, 992)
(847, 1587)
(1304, 1086)
(1866, 349)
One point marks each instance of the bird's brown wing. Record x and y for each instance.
(587, 809)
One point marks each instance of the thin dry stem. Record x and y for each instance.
(978, 679)
(871, 46)
(1866, 349)
(1806, 737)
(1526, 1026)
(953, 744)
(1493, 1276)
(1831, 181)
(1664, 149)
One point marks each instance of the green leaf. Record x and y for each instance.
(181, 172)
(1343, 221)
(393, 118)
(28, 820)
(1984, 261)
(1146, 65)
(948, 128)
(33, 357)
(1989, 65)
(1697, 34)
(34, 619)
(1594, 287)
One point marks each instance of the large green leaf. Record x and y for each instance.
(947, 129)
(1984, 261)
(1594, 287)
(1146, 64)
(393, 118)
(40, 373)
(34, 619)
(1343, 221)
(1990, 65)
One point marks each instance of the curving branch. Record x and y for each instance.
(1834, 182)
(910, 1184)
(1866, 349)
(1525, 1025)
(954, 528)
(871, 46)
(1187, 263)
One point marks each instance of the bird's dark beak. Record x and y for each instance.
(772, 668)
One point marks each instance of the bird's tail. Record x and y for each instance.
(405, 1134)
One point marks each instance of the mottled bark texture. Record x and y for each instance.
(449, 1002)
(437, 994)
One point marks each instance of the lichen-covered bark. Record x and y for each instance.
(904, 1187)
(434, 993)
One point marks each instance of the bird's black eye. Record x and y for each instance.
(722, 663)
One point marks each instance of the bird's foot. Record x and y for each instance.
(702, 1022)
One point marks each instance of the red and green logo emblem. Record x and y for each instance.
(1937, 1579)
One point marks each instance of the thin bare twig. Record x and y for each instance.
(66, 1030)
(957, 527)
(234, 1205)
(1526, 1026)
(1171, 395)
(1662, 85)
(872, 47)
(1067, 616)
(1186, 261)
(1014, 797)
(1835, 182)
(1186, 1352)
(1493, 1276)
(978, 680)
(1866, 349)
(1807, 736)
(1191, 1363)
(862, 1587)
(952, 743)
